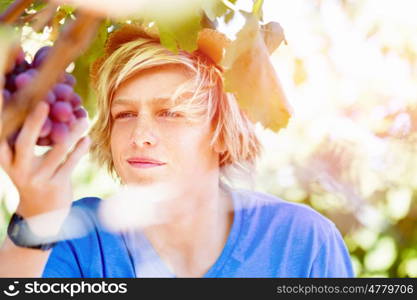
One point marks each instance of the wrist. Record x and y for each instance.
(21, 235)
(44, 223)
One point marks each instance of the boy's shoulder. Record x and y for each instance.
(87, 202)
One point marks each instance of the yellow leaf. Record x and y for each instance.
(250, 75)
(273, 35)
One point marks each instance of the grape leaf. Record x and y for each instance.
(250, 75)
(229, 16)
(273, 35)
(178, 22)
(180, 34)
(214, 8)
(167, 37)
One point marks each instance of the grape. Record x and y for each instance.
(21, 67)
(46, 128)
(75, 101)
(69, 79)
(40, 56)
(80, 113)
(62, 92)
(10, 85)
(50, 97)
(61, 111)
(59, 132)
(10, 66)
(32, 72)
(65, 106)
(22, 80)
(20, 57)
(42, 50)
(71, 121)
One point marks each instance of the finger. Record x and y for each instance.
(26, 140)
(73, 158)
(54, 157)
(6, 155)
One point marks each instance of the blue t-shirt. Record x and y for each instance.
(269, 237)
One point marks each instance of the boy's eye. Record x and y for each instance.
(123, 115)
(164, 113)
(167, 113)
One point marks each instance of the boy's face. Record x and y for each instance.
(144, 127)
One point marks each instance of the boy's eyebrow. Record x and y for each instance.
(126, 101)
(156, 100)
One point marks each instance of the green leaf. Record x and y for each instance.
(187, 33)
(214, 8)
(4, 4)
(180, 34)
(167, 37)
(229, 16)
(178, 22)
(257, 8)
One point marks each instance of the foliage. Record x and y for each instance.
(350, 152)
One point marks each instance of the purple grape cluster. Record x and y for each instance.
(64, 104)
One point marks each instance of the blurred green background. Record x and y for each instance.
(350, 71)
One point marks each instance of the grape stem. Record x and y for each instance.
(14, 11)
(71, 42)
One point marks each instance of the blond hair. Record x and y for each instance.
(231, 127)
